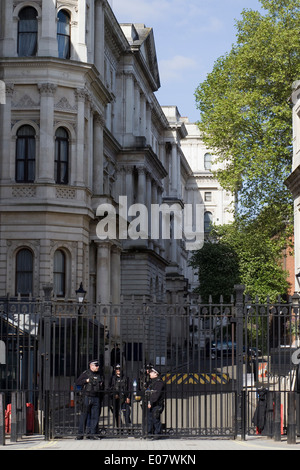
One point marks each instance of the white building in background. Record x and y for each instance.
(217, 204)
(80, 126)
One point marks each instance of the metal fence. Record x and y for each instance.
(215, 360)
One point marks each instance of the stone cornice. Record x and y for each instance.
(72, 67)
(293, 182)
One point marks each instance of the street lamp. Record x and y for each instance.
(295, 300)
(80, 293)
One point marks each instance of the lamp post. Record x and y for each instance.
(80, 293)
(295, 300)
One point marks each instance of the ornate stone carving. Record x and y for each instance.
(23, 191)
(65, 193)
(47, 89)
(64, 105)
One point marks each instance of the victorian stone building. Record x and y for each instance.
(81, 127)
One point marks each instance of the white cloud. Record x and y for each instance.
(164, 11)
(174, 69)
(140, 11)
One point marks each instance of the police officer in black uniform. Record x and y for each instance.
(155, 400)
(92, 384)
(121, 399)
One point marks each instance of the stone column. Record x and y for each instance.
(81, 46)
(162, 153)
(115, 320)
(103, 287)
(141, 186)
(80, 95)
(9, 31)
(5, 133)
(46, 155)
(155, 200)
(129, 185)
(154, 192)
(179, 189)
(137, 107)
(161, 243)
(108, 116)
(99, 36)
(173, 243)
(48, 45)
(149, 124)
(148, 203)
(129, 100)
(143, 116)
(115, 274)
(174, 169)
(98, 155)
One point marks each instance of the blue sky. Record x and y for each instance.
(190, 35)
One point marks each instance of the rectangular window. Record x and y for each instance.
(208, 197)
(59, 273)
(24, 272)
(27, 32)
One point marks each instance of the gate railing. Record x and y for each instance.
(214, 358)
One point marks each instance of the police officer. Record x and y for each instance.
(144, 387)
(155, 398)
(119, 387)
(147, 379)
(92, 384)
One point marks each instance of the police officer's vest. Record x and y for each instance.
(95, 384)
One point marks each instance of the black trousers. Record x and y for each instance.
(154, 424)
(89, 416)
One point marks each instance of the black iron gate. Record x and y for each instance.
(213, 358)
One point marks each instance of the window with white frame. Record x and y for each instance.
(207, 161)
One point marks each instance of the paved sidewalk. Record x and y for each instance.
(144, 447)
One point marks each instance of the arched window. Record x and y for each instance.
(63, 34)
(27, 32)
(208, 220)
(207, 161)
(61, 156)
(24, 272)
(25, 155)
(59, 273)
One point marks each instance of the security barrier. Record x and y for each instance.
(213, 359)
(196, 379)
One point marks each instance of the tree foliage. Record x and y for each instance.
(217, 266)
(245, 113)
(247, 253)
(246, 121)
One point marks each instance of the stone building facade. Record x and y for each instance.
(81, 127)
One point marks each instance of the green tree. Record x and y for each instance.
(246, 121)
(259, 251)
(241, 253)
(244, 108)
(217, 266)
